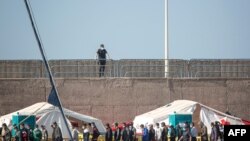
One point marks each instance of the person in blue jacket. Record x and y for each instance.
(145, 134)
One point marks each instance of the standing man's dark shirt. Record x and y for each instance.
(101, 52)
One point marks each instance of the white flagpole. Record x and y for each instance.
(166, 40)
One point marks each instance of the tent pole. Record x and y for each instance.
(46, 64)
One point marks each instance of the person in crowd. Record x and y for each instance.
(194, 132)
(89, 125)
(17, 133)
(37, 134)
(57, 133)
(151, 133)
(132, 132)
(178, 131)
(214, 133)
(221, 128)
(86, 133)
(125, 132)
(6, 133)
(204, 136)
(101, 54)
(30, 132)
(186, 136)
(1, 131)
(164, 133)
(158, 132)
(96, 133)
(187, 126)
(108, 135)
(44, 133)
(145, 134)
(117, 133)
(24, 132)
(172, 133)
(75, 132)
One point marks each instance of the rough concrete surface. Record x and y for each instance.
(121, 99)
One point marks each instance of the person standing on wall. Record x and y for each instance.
(101, 56)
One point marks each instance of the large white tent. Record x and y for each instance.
(48, 114)
(199, 111)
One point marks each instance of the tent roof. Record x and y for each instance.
(160, 114)
(177, 106)
(42, 108)
(206, 114)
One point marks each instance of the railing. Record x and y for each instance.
(79, 74)
(19, 71)
(151, 70)
(219, 70)
(80, 70)
(159, 74)
(128, 68)
(238, 74)
(19, 74)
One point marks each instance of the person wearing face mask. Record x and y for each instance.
(23, 132)
(178, 131)
(117, 133)
(132, 132)
(108, 135)
(194, 132)
(172, 133)
(158, 131)
(96, 133)
(145, 134)
(85, 132)
(186, 136)
(90, 128)
(45, 136)
(6, 133)
(125, 132)
(75, 133)
(151, 133)
(164, 133)
(17, 134)
(214, 132)
(204, 136)
(57, 133)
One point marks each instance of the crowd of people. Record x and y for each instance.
(157, 132)
(186, 132)
(25, 133)
(90, 133)
(125, 133)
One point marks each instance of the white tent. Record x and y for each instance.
(199, 111)
(48, 113)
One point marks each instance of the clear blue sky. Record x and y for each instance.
(130, 29)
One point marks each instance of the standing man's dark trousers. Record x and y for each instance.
(194, 139)
(102, 64)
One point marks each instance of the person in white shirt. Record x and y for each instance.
(85, 132)
(158, 131)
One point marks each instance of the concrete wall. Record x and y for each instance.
(121, 99)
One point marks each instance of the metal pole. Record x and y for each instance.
(46, 65)
(166, 40)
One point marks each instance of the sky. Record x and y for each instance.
(129, 29)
